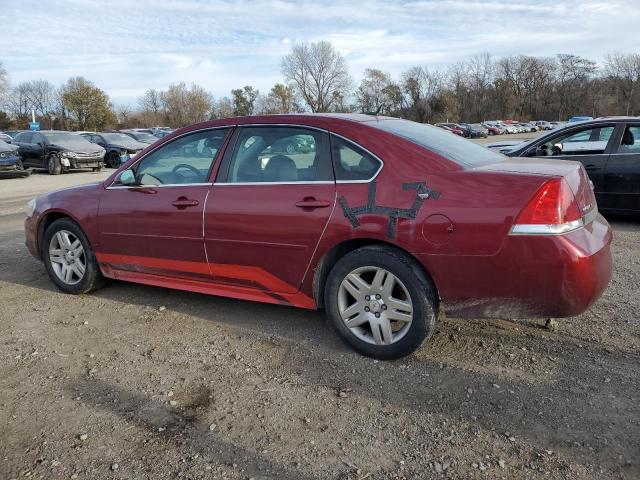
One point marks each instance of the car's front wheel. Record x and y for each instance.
(69, 259)
(53, 165)
(381, 302)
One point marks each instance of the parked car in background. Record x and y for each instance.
(579, 118)
(141, 136)
(10, 162)
(493, 129)
(510, 128)
(476, 130)
(119, 147)
(609, 150)
(543, 125)
(527, 127)
(57, 151)
(454, 130)
(385, 224)
(6, 138)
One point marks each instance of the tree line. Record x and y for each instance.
(316, 78)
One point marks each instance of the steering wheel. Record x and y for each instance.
(186, 166)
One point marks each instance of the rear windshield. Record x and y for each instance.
(458, 150)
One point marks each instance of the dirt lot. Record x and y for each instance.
(139, 382)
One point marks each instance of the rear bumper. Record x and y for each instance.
(531, 276)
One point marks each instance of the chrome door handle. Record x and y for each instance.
(312, 203)
(183, 202)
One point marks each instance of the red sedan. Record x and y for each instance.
(383, 222)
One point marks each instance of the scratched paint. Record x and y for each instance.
(393, 213)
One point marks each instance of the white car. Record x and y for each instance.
(511, 128)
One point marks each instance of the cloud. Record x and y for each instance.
(126, 47)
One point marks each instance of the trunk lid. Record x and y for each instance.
(572, 172)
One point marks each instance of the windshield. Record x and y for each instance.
(69, 140)
(461, 151)
(144, 137)
(117, 138)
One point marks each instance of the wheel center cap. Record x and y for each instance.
(375, 306)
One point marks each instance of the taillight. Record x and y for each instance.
(552, 210)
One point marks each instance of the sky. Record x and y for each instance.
(126, 47)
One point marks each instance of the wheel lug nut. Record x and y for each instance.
(378, 297)
(377, 315)
(366, 309)
(367, 298)
(384, 307)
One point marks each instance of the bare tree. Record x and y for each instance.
(151, 107)
(4, 83)
(624, 72)
(573, 76)
(377, 92)
(123, 113)
(319, 73)
(422, 90)
(280, 99)
(223, 108)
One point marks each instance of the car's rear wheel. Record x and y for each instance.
(69, 259)
(381, 302)
(19, 165)
(53, 165)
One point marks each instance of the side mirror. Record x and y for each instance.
(127, 177)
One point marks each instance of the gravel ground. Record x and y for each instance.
(140, 382)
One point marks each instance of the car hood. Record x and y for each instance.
(87, 150)
(134, 145)
(5, 147)
(47, 197)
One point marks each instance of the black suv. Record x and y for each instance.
(609, 149)
(57, 151)
(119, 147)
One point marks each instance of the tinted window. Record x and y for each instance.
(37, 138)
(588, 141)
(630, 142)
(185, 160)
(24, 137)
(458, 150)
(280, 154)
(351, 162)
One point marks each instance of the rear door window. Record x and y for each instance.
(280, 155)
(630, 142)
(351, 162)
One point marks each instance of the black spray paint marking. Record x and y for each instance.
(422, 194)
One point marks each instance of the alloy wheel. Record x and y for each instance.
(375, 305)
(67, 257)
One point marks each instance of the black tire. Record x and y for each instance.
(19, 165)
(113, 160)
(54, 167)
(92, 279)
(96, 169)
(421, 290)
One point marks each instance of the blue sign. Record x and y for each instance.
(34, 125)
